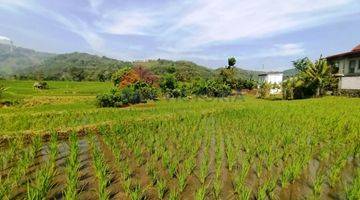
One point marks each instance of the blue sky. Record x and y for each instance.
(261, 34)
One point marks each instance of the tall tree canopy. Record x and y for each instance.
(231, 62)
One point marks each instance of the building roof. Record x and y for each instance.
(357, 48)
(268, 73)
(353, 53)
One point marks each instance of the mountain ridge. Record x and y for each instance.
(28, 63)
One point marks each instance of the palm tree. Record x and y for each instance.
(319, 74)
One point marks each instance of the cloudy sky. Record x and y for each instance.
(261, 34)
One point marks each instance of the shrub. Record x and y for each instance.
(245, 84)
(131, 94)
(211, 88)
(264, 90)
(171, 88)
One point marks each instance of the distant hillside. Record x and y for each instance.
(184, 70)
(29, 64)
(13, 59)
(244, 74)
(76, 66)
(290, 72)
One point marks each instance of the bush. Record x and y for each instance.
(245, 84)
(211, 88)
(131, 94)
(172, 88)
(264, 90)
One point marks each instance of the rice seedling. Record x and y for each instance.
(200, 193)
(101, 169)
(136, 192)
(10, 154)
(334, 173)
(161, 187)
(166, 159)
(189, 165)
(26, 158)
(43, 178)
(353, 190)
(42, 184)
(72, 168)
(217, 186)
(127, 186)
(174, 195)
(172, 168)
(231, 156)
(267, 189)
(291, 172)
(182, 177)
(242, 192)
(203, 171)
(317, 187)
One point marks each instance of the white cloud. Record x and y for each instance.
(70, 23)
(278, 50)
(189, 28)
(95, 5)
(214, 21)
(135, 22)
(186, 25)
(4, 38)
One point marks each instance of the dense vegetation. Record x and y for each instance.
(138, 84)
(313, 79)
(199, 148)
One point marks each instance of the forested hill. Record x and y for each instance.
(75, 66)
(14, 59)
(184, 70)
(23, 63)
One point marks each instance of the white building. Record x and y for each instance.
(272, 78)
(348, 64)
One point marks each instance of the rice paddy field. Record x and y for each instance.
(56, 144)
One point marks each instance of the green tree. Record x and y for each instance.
(77, 74)
(319, 74)
(168, 82)
(231, 62)
(119, 75)
(227, 76)
(302, 64)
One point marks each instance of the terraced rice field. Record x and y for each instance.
(185, 149)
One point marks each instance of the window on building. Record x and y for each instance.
(352, 65)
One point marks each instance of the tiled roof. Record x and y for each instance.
(354, 52)
(357, 48)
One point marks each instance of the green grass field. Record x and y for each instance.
(199, 148)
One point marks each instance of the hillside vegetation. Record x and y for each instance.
(23, 63)
(13, 60)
